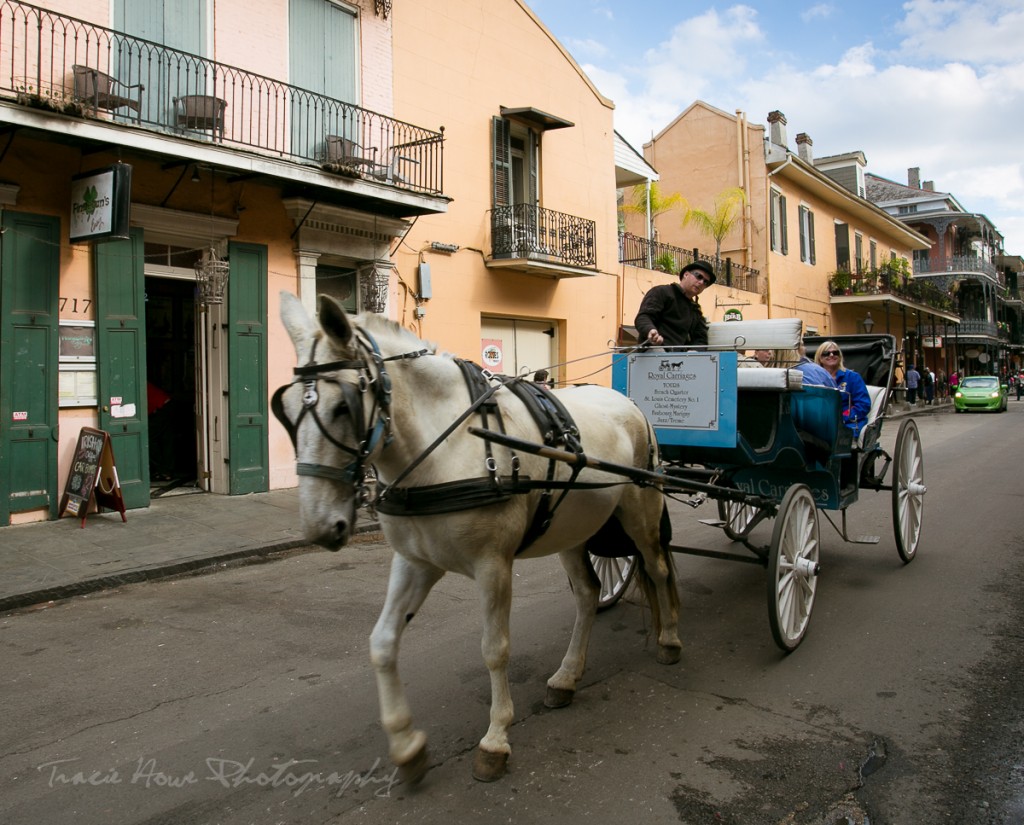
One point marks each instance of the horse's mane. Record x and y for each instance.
(379, 325)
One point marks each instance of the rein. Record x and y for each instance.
(556, 426)
(376, 427)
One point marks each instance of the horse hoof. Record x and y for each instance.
(488, 766)
(415, 768)
(558, 697)
(669, 655)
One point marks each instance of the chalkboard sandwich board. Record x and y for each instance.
(93, 476)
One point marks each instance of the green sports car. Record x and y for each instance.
(981, 392)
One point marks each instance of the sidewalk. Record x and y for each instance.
(51, 560)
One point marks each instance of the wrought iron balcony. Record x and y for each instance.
(531, 233)
(637, 251)
(887, 280)
(977, 327)
(963, 264)
(70, 66)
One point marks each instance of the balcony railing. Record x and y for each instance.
(67, 65)
(525, 231)
(885, 281)
(978, 326)
(934, 265)
(637, 251)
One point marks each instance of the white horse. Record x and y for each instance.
(367, 391)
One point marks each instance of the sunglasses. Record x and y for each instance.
(701, 278)
(830, 354)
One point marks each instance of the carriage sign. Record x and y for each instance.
(689, 397)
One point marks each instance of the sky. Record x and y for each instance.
(936, 84)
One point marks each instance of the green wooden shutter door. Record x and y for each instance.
(121, 361)
(249, 451)
(29, 284)
(783, 225)
(502, 160)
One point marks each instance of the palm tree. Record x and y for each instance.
(720, 221)
(648, 200)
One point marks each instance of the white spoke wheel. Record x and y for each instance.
(908, 490)
(739, 518)
(615, 574)
(793, 567)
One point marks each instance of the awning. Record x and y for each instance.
(535, 117)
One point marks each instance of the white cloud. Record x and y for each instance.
(820, 11)
(959, 118)
(976, 32)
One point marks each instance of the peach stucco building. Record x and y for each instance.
(252, 138)
(529, 166)
(801, 226)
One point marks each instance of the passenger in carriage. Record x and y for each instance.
(814, 374)
(669, 314)
(856, 401)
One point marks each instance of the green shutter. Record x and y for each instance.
(249, 449)
(121, 361)
(784, 229)
(801, 212)
(810, 231)
(502, 160)
(29, 283)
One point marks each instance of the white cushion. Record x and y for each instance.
(768, 378)
(877, 395)
(770, 333)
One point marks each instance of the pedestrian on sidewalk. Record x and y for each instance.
(928, 379)
(1020, 381)
(913, 380)
(954, 382)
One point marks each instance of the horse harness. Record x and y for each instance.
(556, 426)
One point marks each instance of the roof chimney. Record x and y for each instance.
(929, 185)
(777, 128)
(803, 146)
(914, 177)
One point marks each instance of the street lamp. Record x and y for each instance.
(868, 323)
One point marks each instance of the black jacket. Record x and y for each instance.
(679, 320)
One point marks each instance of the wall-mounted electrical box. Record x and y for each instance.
(425, 289)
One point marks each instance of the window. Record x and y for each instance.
(858, 252)
(873, 252)
(908, 210)
(780, 242)
(806, 235)
(515, 163)
(842, 246)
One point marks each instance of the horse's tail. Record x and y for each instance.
(613, 540)
(667, 570)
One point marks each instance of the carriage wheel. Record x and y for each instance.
(739, 518)
(615, 574)
(793, 567)
(908, 490)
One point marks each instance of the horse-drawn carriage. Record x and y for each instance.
(764, 445)
(475, 471)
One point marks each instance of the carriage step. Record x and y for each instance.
(865, 540)
(713, 522)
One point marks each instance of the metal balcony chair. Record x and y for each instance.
(101, 91)
(201, 112)
(346, 152)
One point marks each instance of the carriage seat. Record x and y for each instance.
(769, 378)
(877, 395)
(769, 333)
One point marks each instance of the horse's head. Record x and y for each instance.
(336, 412)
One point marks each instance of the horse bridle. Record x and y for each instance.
(375, 427)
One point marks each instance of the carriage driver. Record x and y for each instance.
(669, 314)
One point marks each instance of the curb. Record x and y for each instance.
(59, 592)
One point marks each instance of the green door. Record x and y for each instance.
(121, 361)
(249, 450)
(29, 285)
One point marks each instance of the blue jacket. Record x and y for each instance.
(816, 374)
(856, 401)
